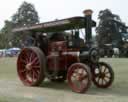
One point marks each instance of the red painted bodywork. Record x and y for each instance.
(64, 57)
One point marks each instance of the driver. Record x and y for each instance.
(79, 41)
(57, 37)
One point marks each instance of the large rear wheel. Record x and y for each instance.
(30, 65)
(79, 77)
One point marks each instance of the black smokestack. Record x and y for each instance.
(88, 24)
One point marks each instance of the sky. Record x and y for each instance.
(49, 10)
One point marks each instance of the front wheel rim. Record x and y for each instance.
(103, 75)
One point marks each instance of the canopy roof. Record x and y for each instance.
(56, 26)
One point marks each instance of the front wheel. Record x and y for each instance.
(103, 75)
(79, 77)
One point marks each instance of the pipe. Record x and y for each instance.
(88, 24)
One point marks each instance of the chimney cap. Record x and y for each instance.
(87, 12)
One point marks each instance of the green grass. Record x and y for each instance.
(8, 68)
(12, 90)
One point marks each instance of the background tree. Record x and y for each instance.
(109, 27)
(6, 35)
(25, 15)
(2, 41)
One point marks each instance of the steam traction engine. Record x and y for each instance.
(60, 54)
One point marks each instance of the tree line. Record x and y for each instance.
(25, 15)
(109, 26)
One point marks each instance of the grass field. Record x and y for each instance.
(12, 90)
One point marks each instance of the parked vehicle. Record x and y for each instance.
(59, 57)
(2, 52)
(13, 52)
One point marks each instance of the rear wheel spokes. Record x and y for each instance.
(29, 66)
(32, 56)
(23, 61)
(36, 67)
(30, 76)
(23, 70)
(35, 71)
(35, 74)
(35, 61)
(27, 57)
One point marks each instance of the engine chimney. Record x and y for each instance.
(88, 24)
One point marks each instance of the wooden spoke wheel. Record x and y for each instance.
(30, 64)
(79, 77)
(103, 75)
